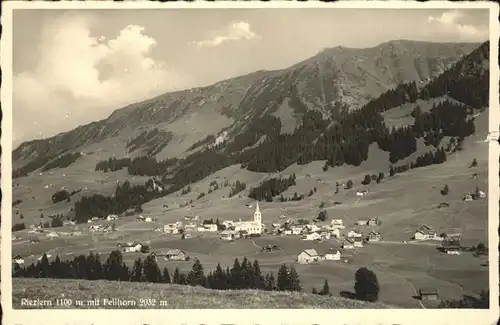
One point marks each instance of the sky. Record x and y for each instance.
(72, 67)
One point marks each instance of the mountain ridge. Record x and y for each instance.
(238, 99)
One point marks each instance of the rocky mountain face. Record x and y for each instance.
(335, 78)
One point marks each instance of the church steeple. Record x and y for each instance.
(257, 217)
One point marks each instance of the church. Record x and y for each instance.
(252, 227)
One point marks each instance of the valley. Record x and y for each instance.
(283, 130)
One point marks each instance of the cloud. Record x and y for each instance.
(453, 22)
(68, 86)
(235, 31)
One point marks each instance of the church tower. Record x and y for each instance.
(257, 217)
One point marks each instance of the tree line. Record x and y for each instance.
(242, 275)
(126, 197)
(152, 141)
(271, 187)
(140, 166)
(62, 161)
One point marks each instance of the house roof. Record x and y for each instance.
(17, 257)
(174, 252)
(428, 291)
(350, 240)
(425, 230)
(128, 244)
(374, 233)
(311, 252)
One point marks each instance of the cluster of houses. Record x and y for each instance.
(311, 256)
(476, 195)
(372, 222)
(101, 228)
(48, 234)
(178, 227)
(172, 254)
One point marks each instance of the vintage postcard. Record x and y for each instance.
(250, 163)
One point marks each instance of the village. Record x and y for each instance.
(345, 237)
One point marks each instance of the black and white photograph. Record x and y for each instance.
(249, 157)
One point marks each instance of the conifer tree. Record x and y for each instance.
(294, 280)
(283, 281)
(236, 279)
(151, 270)
(136, 275)
(177, 277)
(196, 276)
(258, 282)
(326, 289)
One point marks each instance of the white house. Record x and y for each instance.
(312, 236)
(112, 217)
(354, 233)
(175, 254)
(227, 235)
(324, 234)
(358, 242)
(335, 256)
(335, 232)
(201, 229)
(52, 234)
(148, 219)
(468, 197)
(424, 233)
(348, 243)
(18, 259)
(210, 227)
(308, 256)
(362, 222)
(227, 223)
(94, 227)
(312, 227)
(374, 236)
(287, 232)
(130, 247)
(171, 229)
(361, 193)
(297, 230)
(337, 223)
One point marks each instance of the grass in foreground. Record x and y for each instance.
(176, 296)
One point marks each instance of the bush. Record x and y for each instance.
(348, 185)
(60, 196)
(445, 190)
(367, 180)
(366, 286)
(322, 215)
